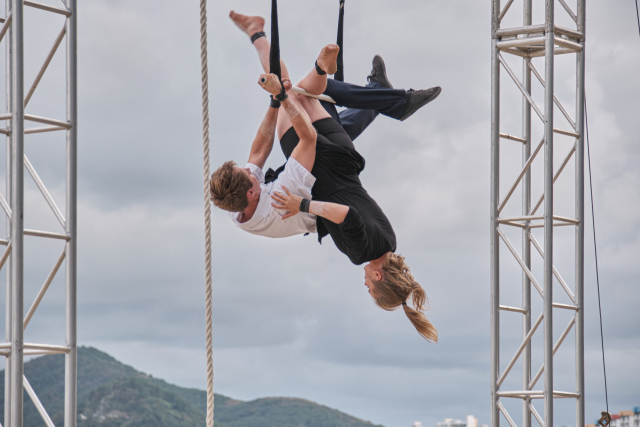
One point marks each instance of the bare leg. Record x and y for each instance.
(306, 105)
(251, 25)
(312, 83)
(327, 61)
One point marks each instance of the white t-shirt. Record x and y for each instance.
(267, 221)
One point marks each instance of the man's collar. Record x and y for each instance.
(250, 210)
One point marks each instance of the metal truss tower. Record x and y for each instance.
(17, 126)
(516, 45)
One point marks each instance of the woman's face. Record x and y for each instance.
(370, 274)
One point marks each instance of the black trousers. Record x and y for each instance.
(363, 104)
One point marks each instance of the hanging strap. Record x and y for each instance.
(274, 52)
(340, 73)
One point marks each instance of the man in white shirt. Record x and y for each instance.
(266, 220)
(243, 191)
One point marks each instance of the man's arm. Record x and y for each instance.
(263, 143)
(305, 151)
(290, 202)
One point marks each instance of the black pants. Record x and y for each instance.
(363, 104)
(337, 163)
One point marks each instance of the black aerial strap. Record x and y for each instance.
(274, 53)
(340, 73)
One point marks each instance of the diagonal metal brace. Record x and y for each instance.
(45, 192)
(522, 89)
(555, 349)
(555, 271)
(569, 11)
(526, 341)
(521, 262)
(555, 98)
(506, 414)
(524, 171)
(556, 176)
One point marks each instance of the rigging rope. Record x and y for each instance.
(207, 209)
(274, 67)
(595, 248)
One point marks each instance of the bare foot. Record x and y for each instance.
(328, 58)
(248, 24)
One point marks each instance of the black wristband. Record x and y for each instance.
(282, 95)
(304, 205)
(257, 35)
(274, 102)
(320, 70)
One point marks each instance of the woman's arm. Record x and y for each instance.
(290, 202)
(305, 151)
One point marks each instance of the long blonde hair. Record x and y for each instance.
(395, 287)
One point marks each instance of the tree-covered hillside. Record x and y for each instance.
(111, 394)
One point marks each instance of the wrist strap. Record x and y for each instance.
(304, 205)
(258, 35)
(320, 70)
(282, 95)
(274, 102)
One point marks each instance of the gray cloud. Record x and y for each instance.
(292, 317)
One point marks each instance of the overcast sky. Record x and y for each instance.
(291, 317)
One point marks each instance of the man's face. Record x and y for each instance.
(256, 185)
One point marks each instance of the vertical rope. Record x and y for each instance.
(595, 249)
(207, 209)
(340, 73)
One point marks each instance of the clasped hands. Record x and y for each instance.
(272, 84)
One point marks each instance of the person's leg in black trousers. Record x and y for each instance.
(363, 104)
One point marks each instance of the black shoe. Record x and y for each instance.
(379, 73)
(418, 99)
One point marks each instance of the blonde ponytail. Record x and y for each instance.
(396, 287)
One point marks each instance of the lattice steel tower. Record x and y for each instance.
(520, 45)
(16, 125)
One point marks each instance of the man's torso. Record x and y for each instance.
(267, 221)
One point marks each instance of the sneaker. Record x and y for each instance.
(379, 73)
(418, 99)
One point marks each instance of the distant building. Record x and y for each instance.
(626, 418)
(417, 424)
(450, 422)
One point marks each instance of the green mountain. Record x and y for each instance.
(111, 394)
